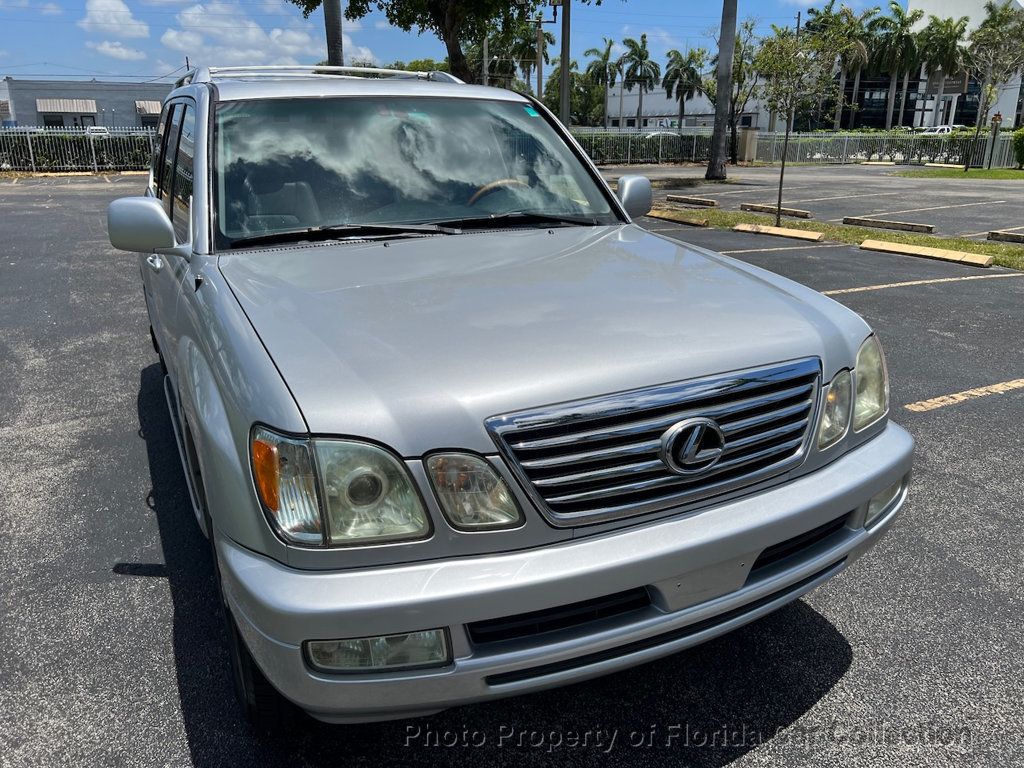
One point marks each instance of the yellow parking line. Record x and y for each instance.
(908, 283)
(968, 394)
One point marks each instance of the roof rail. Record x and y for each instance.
(206, 74)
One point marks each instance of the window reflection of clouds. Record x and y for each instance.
(393, 151)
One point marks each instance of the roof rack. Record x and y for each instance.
(207, 74)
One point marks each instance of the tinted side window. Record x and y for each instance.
(181, 187)
(163, 190)
(160, 145)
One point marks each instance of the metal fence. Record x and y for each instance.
(897, 147)
(75, 149)
(645, 147)
(124, 149)
(901, 147)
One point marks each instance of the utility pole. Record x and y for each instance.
(563, 59)
(486, 63)
(540, 56)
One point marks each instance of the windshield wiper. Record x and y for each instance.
(332, 231)
(517, 217)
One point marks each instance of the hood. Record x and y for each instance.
(414, 343)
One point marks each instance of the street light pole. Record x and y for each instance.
(564, 58)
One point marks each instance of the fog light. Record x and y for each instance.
(881, 501)
(428, 648)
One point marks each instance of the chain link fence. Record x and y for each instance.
(900, 147)
(75, 149)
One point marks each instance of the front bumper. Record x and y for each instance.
(696, 568)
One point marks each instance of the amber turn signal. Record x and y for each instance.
(267, 473)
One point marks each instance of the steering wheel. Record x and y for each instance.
(486, 189)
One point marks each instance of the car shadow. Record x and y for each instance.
(704, 707)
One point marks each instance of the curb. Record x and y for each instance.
(1006, 237)
(942, 254)
(692, 200)
(764, 208)
(676, 217)
(797, 234)
(903, 226)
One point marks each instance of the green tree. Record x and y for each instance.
(723, 84)
(896, 51)
(522, 47)
(420, 65)
(683, 76)
(943, 53)
(798, 69)
(857, 30)
(639, 70)
(996, 53)
(603, 70)
(585, 96)
(744, 81)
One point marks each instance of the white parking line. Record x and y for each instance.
(907, 283)
(1003, 229)
(845, 197)
(931, 208)
(748, 191)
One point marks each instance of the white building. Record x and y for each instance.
(662, 112)
(1008, 99)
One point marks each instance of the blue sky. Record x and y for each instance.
(148, 38)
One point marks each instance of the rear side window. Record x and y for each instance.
(181, 186)
(163, 188)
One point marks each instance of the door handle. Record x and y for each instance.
(155, 262)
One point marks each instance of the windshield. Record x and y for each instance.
(286, 165)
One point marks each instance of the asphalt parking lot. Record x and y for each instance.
(114, 653)
(955, 207)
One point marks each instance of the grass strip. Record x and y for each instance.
(975, 174)
(1004, 254)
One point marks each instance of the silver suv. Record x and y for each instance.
(455, 427)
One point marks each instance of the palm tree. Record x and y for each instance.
(603, 70)
(896, 49)
(827, 20)
(683, 77)
(332, 24)
(856, 32)
(523, 47)
(943, 53)
(726, 49)
(640, 70)
(860, 38)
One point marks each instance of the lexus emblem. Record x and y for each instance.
(692, 446)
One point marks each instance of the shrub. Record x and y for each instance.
(1018, 146)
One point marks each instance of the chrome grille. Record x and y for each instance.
(597, 459)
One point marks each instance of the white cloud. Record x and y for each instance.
(50, 9)
(382, 24)
(116, 50)
(204, 35)
(113, 17)
(13, 3)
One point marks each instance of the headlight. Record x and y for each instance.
(283, 473)
(368, 495)
(835, 416)
(872, 385)
(472, 495)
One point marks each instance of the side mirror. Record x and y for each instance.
(635, 195)
(139, 224)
